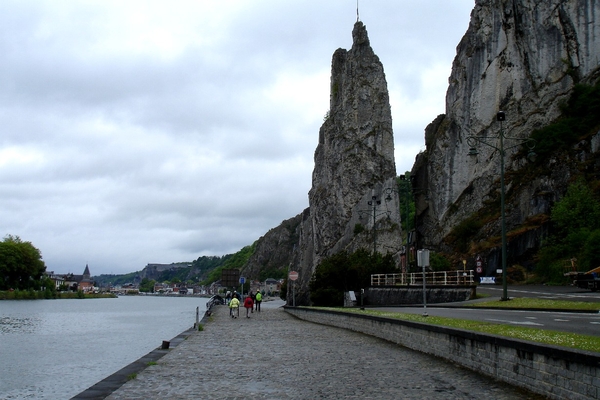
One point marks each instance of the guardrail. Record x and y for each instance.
(453, 278)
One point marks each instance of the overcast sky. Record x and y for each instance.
(136, 132)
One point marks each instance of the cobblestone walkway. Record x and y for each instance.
(272, 355)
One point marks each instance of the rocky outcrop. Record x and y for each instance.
(273, 251)
(522, 57)
(354, 169)
(154, 271)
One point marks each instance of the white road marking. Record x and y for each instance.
(514, 322)
(561, 320)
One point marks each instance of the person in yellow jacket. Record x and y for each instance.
(258, 300)
(234, 307)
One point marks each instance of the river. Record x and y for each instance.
(54, 349)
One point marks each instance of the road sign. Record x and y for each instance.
(230, 277)
(293, 275)
(242, 280)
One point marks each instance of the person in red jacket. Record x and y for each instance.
(248, 304)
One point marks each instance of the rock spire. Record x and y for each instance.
(354, 165)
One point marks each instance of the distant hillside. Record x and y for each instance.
(193, 272)
(268, 257)
(273, 252)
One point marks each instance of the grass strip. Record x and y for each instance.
(534, 303)
(555, 338)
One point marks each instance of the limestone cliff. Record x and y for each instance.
(273, 251)
(354, 165)
(522, 57)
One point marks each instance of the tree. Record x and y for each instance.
(576, 219)
(147, 285)
(577, 210)
(21, 265)
(343, 272)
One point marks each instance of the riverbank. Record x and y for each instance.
(49, 295)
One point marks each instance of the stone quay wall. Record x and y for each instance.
(397, 295)
(554, 372)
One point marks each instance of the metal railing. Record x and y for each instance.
(431, 278)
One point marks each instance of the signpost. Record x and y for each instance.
(230, 277)
(242, 281)
(423, 261)
(292, 276)
(479, 265)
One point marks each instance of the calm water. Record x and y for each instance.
(54, 349)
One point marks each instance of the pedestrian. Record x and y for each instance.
(227, 297)
(258, 298)
(234, 307)
(249, 305)
(253, 300)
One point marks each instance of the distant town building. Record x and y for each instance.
(73, 282)
(272, 286)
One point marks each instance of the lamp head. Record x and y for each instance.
(500, 116)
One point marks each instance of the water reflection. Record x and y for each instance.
(18, 324)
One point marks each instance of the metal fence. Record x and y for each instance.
(466, 277)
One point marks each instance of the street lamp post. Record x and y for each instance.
(472, 141)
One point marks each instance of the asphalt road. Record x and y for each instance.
(542, 292)
(575, 322)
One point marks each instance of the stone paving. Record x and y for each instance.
(272, 355)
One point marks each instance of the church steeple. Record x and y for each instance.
(86, 272)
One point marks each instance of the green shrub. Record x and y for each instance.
(439, 263)
(580, 114)
(590, 256)
(358, 228)
(576, 218)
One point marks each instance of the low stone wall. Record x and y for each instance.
(398, 295)
(554, 372)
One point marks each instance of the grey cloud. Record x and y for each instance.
(117, 156)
